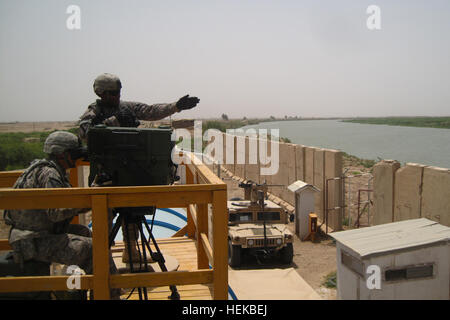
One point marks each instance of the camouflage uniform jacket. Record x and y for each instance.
(33, 223)
(98, 113)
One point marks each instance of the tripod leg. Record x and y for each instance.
(126, 229)
(144, 254)
(160, 259)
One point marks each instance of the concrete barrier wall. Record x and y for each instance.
(435, 200)
(296, 162)
(383, 191)
(407, 189)
(411, 192)
(333, 169)
(319, 181)
(229, 152)
(251, 159)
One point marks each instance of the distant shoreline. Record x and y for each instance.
(421, 122)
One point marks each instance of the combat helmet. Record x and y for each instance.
(106, 81)
(59, 142)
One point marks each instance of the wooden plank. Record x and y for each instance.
(41, 283)
(180, 232)
(184, 250)
(220, 245)
(131, 280)
(208, 249)
(202, 227)
(54, 198)
(7, 182)
(44, 201)
(206, 175)
(193, 212)
(100, 247)
(190, 222)
(190, 175)
(108, 190)
(73, 177)
(8, 178)
(4, 245)
(171, 199)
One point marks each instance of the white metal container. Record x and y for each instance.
(401, 260)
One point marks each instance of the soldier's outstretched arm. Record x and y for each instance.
(152, 112)
(161, 110)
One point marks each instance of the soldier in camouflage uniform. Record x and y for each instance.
(47, 235)
(113, 112)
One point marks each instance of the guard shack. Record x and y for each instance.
(395, 261)
(304, 205)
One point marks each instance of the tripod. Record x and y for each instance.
(136, 216)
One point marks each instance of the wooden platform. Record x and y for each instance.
(184, 250)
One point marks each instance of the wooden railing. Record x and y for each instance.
(208, 189)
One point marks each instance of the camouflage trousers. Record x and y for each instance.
(71, 248)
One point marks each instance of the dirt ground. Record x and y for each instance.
(358, 178)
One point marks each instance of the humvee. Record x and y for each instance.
(258, 226)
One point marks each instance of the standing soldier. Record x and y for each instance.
(113, 112)
(47, 235)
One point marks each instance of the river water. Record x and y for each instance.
(427, 146)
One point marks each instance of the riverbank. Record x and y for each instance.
(422, 122)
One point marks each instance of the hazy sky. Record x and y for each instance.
(251, 58)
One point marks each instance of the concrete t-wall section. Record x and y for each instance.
(251, 159)
(300, 162)
(407, 192)
(264, 156)
(229, 153)
(436, 195)
(414, 191)
(296, 162)
(239, 151)
(286, 174)
(333, 169)
(309, 165)
(319, 181)
(291, 173)
(383, 191)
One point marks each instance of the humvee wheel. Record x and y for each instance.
(287, 253)
(234, 255)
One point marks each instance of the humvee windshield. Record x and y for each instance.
(241, 216)
(268, 216)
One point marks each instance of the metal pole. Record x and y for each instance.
(342, 196)
(349, 203)
(359, 200)
(326, 205)
(368, 198)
